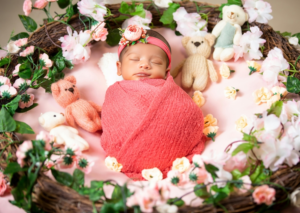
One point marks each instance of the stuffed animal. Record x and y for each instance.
(228, 32)
(78, 111)
(64, 135)
(197, 67)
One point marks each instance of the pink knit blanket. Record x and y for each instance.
(149, 123)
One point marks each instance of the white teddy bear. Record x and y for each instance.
(228, 32)
(64, 135)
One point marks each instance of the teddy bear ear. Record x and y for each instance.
(210, 38)
(71, 79)
(41, 120)
(224, 9)
(185, 40)
(55, 89)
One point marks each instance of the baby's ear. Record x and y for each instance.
(185, 40)
(118, 64)
(71, 79)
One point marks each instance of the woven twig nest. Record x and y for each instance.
(52, 196)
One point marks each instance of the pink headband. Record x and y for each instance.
(155, 41)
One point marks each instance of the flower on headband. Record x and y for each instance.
(132, 34)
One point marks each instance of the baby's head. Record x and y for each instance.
(145, 60)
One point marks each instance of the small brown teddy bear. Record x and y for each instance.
(78, 111)
(197, 66)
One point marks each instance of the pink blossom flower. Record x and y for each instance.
(75, 46)
(250, 44)
(182, 177)
(47, 138)
(26, 100)
(27, 51)
(21, 152)
(21, 42)
(7, 91)
(20, 81)
(27, 7)
(47, 61)
(100, 33)
(273, 65)
(92, 9)
(52, 0)
(84, 165)
(3, 186)
(239, 162)
(133, 32)
(61, 162)
(223, 176)
(258, 10)
(201, 175)
(246, 185)
(139, 21)
(50, 164)
(4, 81)
(264, 194)
(189, 24)
(40, 4)
(17, 69)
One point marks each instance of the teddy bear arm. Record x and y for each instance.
(218, 28)
(58, 139)
(73, 130)
(212, 72)
(69, 117)
(238, 35)
(95, 106)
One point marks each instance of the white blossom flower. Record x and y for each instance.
(258, 10)
(93, 9)
(162, 3)
(139, 21)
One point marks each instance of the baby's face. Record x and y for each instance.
(143, 61)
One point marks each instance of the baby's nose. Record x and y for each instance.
(144, 65)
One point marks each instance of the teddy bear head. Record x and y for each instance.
(234, 15)
(65, 91)
(198, 44)
(49, 120)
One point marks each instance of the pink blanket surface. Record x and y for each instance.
(149, 123)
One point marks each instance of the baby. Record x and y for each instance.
(148, 120)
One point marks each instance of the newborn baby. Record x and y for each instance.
(148, 120)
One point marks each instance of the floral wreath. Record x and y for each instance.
(29, 64)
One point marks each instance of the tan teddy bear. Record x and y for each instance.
(78, 111)
(196, 67)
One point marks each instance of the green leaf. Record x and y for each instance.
(249, 138)
(216, 198)
(62, 177)
(7, 123)
(25, 71)
(117, 193)
(120, 18)
(96, 195)
(244, 147)
(276, 108)
(4, 61)
(13, 105)
(29, 24)
(19, 110)
(20, 36)
(200, 190)
(46, 85)
(212, 135)
(78, 177)
(260, 174)
(124, 8)
(211, 169)
(139, 11)
(178, 202)
(23, 128)
(236, 174)
(107, 208)
(97, 184)
(13, 167)
(293, 84)
(69, 64)
(113, 37)
(284, 34)
(60, 64)
(63, 3)
(167, 17)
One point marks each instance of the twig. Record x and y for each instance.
(45, 22)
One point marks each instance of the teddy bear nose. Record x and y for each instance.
(71, 89)
(197, 44)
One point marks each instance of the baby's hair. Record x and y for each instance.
(153, 34)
